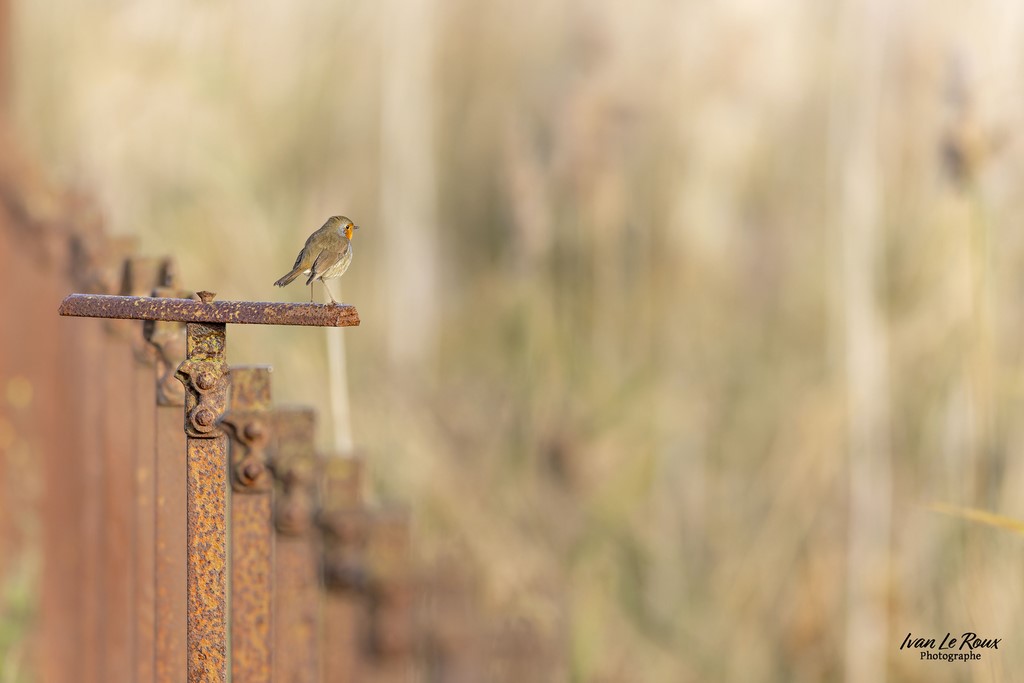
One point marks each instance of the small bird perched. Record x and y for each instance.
(327, 255)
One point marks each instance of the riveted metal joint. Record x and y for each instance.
(295, 510)
(345, 535)
(250, 435)
(205, 376)
(205, 398)
(390, 589)
(294, 463)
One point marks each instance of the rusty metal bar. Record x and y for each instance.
(205, 376)
(69, 607)
(296, 556)
(251, 525)
(100, 270)
(142, 275)
(189, 310)
(118, 498)
(168, 339)
(391, 591)
(344, 524)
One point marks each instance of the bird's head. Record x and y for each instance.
(345, 225)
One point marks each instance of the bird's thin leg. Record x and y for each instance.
(333, 300)
(310, 292)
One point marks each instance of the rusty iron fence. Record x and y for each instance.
(165, 513)
(182, 530)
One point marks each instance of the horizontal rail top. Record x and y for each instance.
(192, 311)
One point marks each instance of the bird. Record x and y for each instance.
(326, 255)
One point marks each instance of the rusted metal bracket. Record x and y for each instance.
(345, 524)
(250, 437)
(205, 376)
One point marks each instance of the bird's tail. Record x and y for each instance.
(287, 279)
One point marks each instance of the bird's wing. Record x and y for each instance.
(324, 260)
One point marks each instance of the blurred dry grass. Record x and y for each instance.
(666, 306)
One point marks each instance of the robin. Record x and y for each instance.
(327, 254)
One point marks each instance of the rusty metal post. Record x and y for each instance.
(391, 592)
(142, 275)
(70, 606)
(205, 376)
(127, 505)
(117, 491)
(344, 524)
(296, 557)
(251, 525)
(168, 339)
(101, 263)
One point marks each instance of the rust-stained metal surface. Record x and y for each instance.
(69, 600)
(248, 424)
(117, 492)
(390, 628)
(296, 555)
(344, 523)
(145, 520)
(142, 275)
(168, 341)
(205, 376)
(171, 567)
(189, 310)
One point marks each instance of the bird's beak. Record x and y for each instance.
(355, 227)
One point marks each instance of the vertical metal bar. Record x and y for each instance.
(205, 376)
(70, 532)
(171, 596)
(344, 523)
(251, 525)
(117, 581)
(103, 271)
(296, 574)
(141, 276)
(391, 627)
